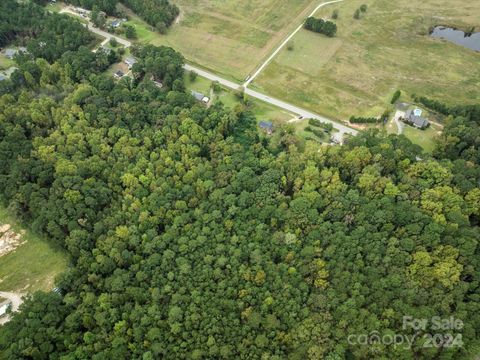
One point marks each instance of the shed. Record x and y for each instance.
(266, 126)
(130, 61)
(119, 74)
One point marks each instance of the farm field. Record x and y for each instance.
(389, 48)
(33, 265)
(226, 36)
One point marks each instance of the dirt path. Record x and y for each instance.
(15, 299)
(400, 125)
(284, 43)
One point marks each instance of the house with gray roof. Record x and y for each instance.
(130, 61)
(200, 97)
(266, 126)
(414, 118)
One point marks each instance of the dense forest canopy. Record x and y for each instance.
(46, 35)
(157, 13)
(191, 237)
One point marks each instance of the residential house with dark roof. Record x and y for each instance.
(119, 74)
(200, 97)
(266, 126)
(414, 118)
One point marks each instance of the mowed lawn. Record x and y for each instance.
(226, 36)
(33, 265)
(5, 62)
(356, 72)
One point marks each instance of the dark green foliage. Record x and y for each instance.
(315, 122)
(321, 26)
(356, 14)
(157, 13)
(191, 237)
(50, 34)
(364, 120)
(192, 75)
(468, 111)
(318, 133)
(164, 64)
(184, 241)
(396, 96)
(130, 31)
(154, 12)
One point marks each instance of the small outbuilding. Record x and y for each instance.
(200, 97)
(130, 61)
(266, 126)
(119, 74)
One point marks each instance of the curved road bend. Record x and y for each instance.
(273, 101)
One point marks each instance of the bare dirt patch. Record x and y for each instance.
(9, 239)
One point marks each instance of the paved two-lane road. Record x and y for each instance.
(232, 85)
(271, 100)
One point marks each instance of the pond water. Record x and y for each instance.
(470, 41)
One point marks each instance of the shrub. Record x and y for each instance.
(326, 126)
(396, 96)
(321, 26)
(363, 120)
(216, 87)
(335, 14)
(193, 76)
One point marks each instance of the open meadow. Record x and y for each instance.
(388, 48)
(226, 36)
(34, 263)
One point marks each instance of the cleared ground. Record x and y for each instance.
(31, 266)
(226, 36)
(357, 72)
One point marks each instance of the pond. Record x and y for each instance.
(470, 41)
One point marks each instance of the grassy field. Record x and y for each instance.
(262, 111)
(389, 48)
(33, 265)
(5, 62)
(424, 138)
(227, 36)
